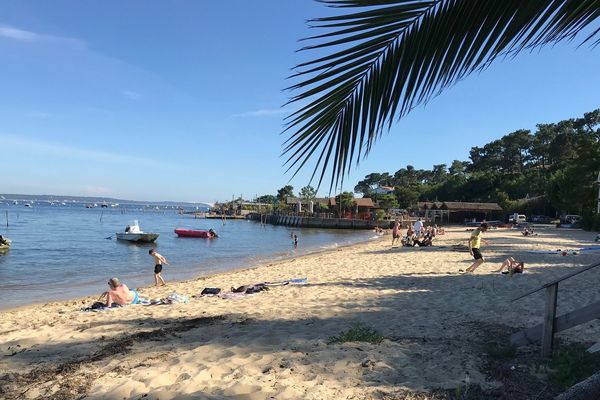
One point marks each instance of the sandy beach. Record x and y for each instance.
(275, 344)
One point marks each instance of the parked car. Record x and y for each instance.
(570, 221)
(517, 218)
(540, 219)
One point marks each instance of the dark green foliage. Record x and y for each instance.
(548, 172)
(359, 332)
(267, 198)
(500, 352)
(284, 193)
(571, 363)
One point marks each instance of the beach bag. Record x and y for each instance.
(210, 290)
(98, 305)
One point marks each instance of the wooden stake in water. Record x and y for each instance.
(6, 218)
(101, 213)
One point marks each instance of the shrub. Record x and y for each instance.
(359, 332)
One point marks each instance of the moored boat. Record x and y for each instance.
(182, 232)
(4, 244)
(133, 233)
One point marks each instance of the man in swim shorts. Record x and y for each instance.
(159, 260)
(119, 293)
(474, 245)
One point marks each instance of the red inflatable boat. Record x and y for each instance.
(193, 233)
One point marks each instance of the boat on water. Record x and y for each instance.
(133, 233)
(209, 234)
(4, 244)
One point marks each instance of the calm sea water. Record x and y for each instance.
(60, 252)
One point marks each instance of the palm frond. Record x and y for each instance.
(392, 55)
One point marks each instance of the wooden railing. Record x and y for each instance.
(551, 325)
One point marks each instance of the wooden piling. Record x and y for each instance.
(549, 315)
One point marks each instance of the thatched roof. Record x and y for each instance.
(364, 202)
(463, 206)
(430, 205)
(459, 206)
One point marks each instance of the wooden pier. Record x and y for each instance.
(317, 222)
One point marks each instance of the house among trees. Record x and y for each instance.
(458, 211)
(383, 190)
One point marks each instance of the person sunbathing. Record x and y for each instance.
(120, 294)
(512, 266)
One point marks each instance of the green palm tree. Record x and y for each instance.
(389, 56)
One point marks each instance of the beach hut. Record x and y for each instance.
(459, 212)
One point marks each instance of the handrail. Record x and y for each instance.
(569, 275)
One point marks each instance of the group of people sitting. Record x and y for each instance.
(422, 239)
(416, 235)
(528, 231)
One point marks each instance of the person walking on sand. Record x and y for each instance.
(474, 246)
(159, 260)
(396, 232)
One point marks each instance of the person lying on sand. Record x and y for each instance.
(120, 294)
(512, 266)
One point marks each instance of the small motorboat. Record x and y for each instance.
(4, 244)
(133, 233)
(209, 234)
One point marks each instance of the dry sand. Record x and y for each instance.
(275, 344)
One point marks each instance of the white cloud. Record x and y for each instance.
(267, 112)
(65, 151)
(131, 95)
(10, 32)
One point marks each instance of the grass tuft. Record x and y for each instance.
(358, 332)
(571, 363)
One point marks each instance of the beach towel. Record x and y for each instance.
(174, 298)
(249, 289)
(296, 281)
(232, 295)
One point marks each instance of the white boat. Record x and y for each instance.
(133, 233)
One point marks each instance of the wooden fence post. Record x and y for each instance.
(549, 316)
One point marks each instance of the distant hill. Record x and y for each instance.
(85, 199)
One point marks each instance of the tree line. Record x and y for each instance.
(550, 171)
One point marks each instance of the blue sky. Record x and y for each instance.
(182, 100)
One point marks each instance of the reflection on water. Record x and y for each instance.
(62, 252)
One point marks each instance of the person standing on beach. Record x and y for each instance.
(418, 227)
(159, 260)
(474, 247)
(396, 232)
(295, 241)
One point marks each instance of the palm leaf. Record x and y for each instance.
(389, 56)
